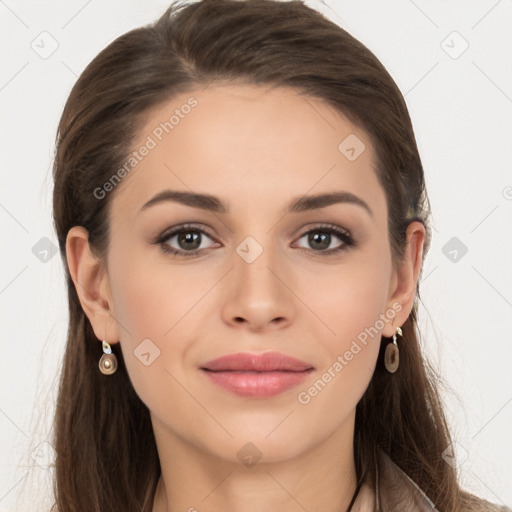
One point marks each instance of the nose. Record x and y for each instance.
(259, 294)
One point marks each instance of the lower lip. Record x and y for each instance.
(257, 384)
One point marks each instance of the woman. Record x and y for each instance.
(275, 363)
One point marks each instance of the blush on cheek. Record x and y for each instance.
(355, 348)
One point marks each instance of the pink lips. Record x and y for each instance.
(257, 375)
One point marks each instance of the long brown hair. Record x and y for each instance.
(106, 453)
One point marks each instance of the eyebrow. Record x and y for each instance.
(214, 204)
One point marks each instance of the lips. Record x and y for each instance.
(267, 362)
(257, 375)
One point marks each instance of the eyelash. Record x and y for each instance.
(342, 234)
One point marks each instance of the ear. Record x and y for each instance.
(92, 285)
(405, 277)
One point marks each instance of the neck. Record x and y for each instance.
(193, 479)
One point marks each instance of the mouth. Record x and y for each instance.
(257, 375)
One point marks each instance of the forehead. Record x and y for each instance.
(249, 144)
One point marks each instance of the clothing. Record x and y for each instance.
(395, 491)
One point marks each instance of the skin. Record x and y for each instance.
(256, 149)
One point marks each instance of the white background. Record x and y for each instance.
(462, 115)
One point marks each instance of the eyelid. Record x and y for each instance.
(175, 230)
(328, 226)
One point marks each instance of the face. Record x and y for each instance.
(250, 269)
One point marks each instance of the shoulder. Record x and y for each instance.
(396, 491)
(472, 503)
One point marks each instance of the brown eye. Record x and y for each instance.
(321, 239)
(189, 240)
(183, 241)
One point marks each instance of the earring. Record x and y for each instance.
(392, 355)
(108, 361)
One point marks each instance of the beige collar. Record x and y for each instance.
(392, 490)
(396, 491)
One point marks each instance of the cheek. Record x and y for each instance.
(351, 303)
(351, 306)
(153, 295)
(157, 308)
(349, 299)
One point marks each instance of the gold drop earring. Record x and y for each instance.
(392, 354)
(108, 361)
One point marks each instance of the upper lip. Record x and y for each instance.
(266, 362)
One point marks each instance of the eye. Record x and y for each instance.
(188, 238)
(320, 239)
